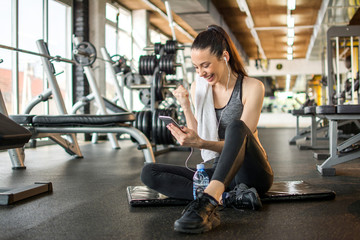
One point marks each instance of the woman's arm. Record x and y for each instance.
(182, 95)
(188, 137)
(252, 100)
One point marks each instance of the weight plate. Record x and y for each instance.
(139, 121)
(150, 61)
(162, 89)
(157, 85)
(148, 65)
(165, 132)
(153, 129)
(129, 79)
(145, 96)
(141, 65)
(84, 54)
(146, 123)
(171, 64)
(161, 63)
(169, 137)
(160, 129)
(157, 48)
(154, 64)
(134, 125)
(136, 117)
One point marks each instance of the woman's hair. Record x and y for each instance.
(215, 38)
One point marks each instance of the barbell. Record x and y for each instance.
(55, 58)
(84, 54)
(167, 63)
(170, 47)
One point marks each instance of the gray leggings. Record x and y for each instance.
(244, 162)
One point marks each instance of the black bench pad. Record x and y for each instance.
(83, 120)
(310, 110)
(297, 111)
(348, 109)
(326, 109)
(22, 119)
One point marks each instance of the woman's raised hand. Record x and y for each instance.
(182, 95)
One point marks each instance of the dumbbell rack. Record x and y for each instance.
(157, 66)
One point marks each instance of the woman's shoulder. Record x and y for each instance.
(250, 83)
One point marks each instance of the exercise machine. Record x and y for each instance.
(14, 136)
(340, 112)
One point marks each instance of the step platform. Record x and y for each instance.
(140, 196)
(10, 196)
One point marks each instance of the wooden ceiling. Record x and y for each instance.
(270, 23)
(158, 21)
(269, 18)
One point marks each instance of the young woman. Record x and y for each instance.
(224, 126)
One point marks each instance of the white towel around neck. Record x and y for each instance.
(205, 115)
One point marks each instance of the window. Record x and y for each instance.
(118, 40)
(30, 68)
(36, 19)
(59, 42)
(5, 55)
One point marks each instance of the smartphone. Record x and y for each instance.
(167, 120)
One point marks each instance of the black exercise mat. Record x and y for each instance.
(280, 191)
(144, 196)
(296, 190)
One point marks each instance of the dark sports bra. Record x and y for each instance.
(233, 109)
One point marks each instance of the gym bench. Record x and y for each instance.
(310, 132)
(56, 125)
(335, 114)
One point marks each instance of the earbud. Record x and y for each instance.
(225, 59)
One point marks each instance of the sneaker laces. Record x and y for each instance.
(235, 197)
(199, 202)
(195, 204)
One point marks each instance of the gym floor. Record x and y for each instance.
(89, 198)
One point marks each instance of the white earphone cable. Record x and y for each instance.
(227, 87)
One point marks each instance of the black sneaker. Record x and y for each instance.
(242, 197)
(199, 216)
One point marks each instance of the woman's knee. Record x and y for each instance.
(147, 175)
(236, 126)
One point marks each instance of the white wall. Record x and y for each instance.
(293, 67)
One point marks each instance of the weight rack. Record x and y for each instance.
(157, 65)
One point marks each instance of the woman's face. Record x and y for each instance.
(208, 66)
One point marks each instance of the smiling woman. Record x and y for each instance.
(224, 126)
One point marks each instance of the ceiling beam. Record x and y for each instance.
(164, 15)
(319, 20)
(281, 27)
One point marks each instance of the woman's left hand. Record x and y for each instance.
(185, 136)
